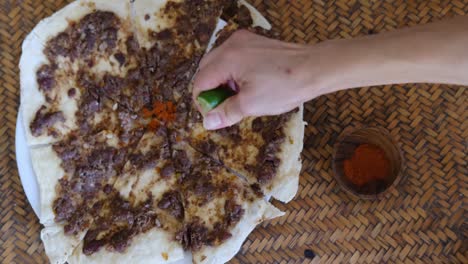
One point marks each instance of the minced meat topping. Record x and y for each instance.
(115, 112)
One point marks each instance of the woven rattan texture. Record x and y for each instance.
(423, 220)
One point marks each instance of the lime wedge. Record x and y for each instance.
(209, 100)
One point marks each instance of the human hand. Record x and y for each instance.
(269, 76)
(274, 77)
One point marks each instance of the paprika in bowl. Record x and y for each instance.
(367, 161)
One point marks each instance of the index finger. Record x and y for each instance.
(213, 73)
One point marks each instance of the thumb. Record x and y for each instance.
(225, 115)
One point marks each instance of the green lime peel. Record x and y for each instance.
(208, 100)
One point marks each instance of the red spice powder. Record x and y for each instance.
(161, 112)
(153, 124)
(147, 113)
(368, 164)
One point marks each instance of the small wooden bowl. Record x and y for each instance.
(344, 149)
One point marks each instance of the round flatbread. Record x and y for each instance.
(126, 171)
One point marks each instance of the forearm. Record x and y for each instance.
(433, 53)
(274, 77)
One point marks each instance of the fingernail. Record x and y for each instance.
(212, 121)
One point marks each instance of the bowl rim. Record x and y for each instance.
(398, 178)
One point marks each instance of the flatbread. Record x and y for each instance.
(48, 170)
(59, 21)
(116, 168)
(138, 179)
(240, 148)
(286, 183)
(32, 98)
(255, 214)
(33, 57)
(214, 196)
(58, 246)
(155, 246)
(147, 16)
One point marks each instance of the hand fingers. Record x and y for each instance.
(216, 68)
(225, 115)
(211, 76)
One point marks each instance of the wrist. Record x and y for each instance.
(335, 65)
(315, 73)
(347, 63)
(323, 67)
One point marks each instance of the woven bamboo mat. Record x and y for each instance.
(423, 220)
